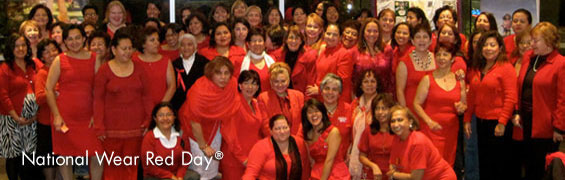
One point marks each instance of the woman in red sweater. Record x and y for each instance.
(412, 155)
(491, 98)
(122, 105)
(221, 44)
(163, 140)
(160, 72)
(339, 112)
(541, 89)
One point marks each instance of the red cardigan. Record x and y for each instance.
(14, 85)
(548, 94)
(44, 113)
(493, 97)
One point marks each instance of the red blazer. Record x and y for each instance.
(291, 107)
(151, 144)
(548, 94)
(493, 97)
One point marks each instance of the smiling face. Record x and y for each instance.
(314, 116)
(90, 16)
(248, 88)
(280, 82)
(371, 33)
(293, 42)
(41, 17)
(299, 17)
(382, 112)
(57, 34)
(116, 15)
(172, 38)
(349, 38)
(20, 48)
(165, 118)
(256, 44)
(482, 23)
(313, 29)
(330, 92)
(74, 41)
(491, 49)
(539, 45)
(123, 51)
(274, 17)
(332, 15)
(402, 35)
(98, 46)
(151, 44)
(49, 54)
(331, 36)
(187, 47)
(222, 36)
(221, 77)
(153, 11)
(387, 22)
(280, 130)
(254, 18)
(240, 32)
(400, 124)
(443, 58)
(421, 40)
(221, 14)
(32, 34)
(239, 10)
(369, 84)
(195, 26)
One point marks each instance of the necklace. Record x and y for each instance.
(535, 63)
(423, 63)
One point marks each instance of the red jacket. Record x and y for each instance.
(548, 94)
(493, 97)
(290, 106)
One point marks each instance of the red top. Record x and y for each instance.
(171, 54)
(277, 54)
(458, 64)
(122, 105)
(413, 78)
(418, 153)
(205, 43)
(236, 53)
(494, 97)
(156, 75)
(44, 112)
(510, 44)
(209, 105)
(550, 157)
(152, 147)
(377, 148)
(303, 72)
(319, 151)
(289, 106)
(548, 94)
(263, 73)
(381, 63)
(262, 164)
(342, 120)
(398, 54)
(339, 61)
(15, 84)
(439, 106)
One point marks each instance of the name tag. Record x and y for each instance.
(342, 119)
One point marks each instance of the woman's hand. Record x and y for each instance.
(516, 121)
(377, 173)
(467, 128)
(499, 129)
(460, 75)
(312, 90)
(460, 107)
(58, 123)
(557, 137)
(434, 126)
(208, 151)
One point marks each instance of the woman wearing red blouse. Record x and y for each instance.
(334, 58)
(17, 104)
(376, 140)
(280, 156)
(160, 72)
(163, 140)
(492, 99)
(439, 100)
(400, 43)
(221, 44)
(198, 27)
(412, 155)
(280, 99)
(210, 103)
(541, 89)
(521, 22)
(256, 59)
(339, 112)
(242, 132)
(171, 46)
(323, 143)
(73, 132)
(47, 50)
(372, 52)
(122, 105)
(301, 61)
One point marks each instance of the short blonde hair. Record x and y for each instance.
(28, 23)
(254, 7)
(110, 5)
(548, 32)
(279, 68)
(237, 3)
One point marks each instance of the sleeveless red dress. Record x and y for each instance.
(319, 151)
(440, 107)
(75, 101)
(413, 78)
(157, 76)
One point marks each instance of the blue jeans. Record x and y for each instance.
(472, 153)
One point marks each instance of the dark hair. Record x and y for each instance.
(89, 6)
(361, 44)
(100, 34)
(519, 37)
(353, 24)
(419, 28)
(470, 49)
(153, 124)
(71, 27)
(387, 10)
(122, 33)
(364, 10)
(61, 24)
(457, 44)
(220, 5)
(277, 35)
(266, 16)
(479, 61)
(156, 3)
(280, 162)
(440, 10)
(409, 115)
(213, 33)
(449, 48)
(155, 20)
(393, 42)
(180, 15)
(176, 28)
(249, 75)
(46, 9)
(9, 56)
(292, 57)
(200, 17)
(420, 15)
(255, 32)
(304, 9)
(522, 10)
(388, 101)
(43, 44)
(148, 31)
(215, 64)
(239, 21)
(306, 125)
(360, 76)
(491, 21)
(326, 7)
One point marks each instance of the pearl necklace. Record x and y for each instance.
(535, 62)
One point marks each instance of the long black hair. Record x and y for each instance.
(306, 125)
(9, 56)
(280, 162)
(388, 101)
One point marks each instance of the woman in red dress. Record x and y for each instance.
(171, 47)
(301, 61)
(521, 22)
(323, 141)
(210, 103)
(243, 131)
(256, 59)
(412, 155)
(280, 99)
(221, 44)
(414, 66)
(400, 43)
(439, 99)
(198, 27)
(122, 105)
(280, 156)
(73, 131)
(47, 49)
(372, 52)
(334, 58)
(163, 140)
(376, 140)
(339, 112)
(18, 107)
(160, 72)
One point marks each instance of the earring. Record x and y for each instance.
(411, 126)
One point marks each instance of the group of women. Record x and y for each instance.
(311, 96)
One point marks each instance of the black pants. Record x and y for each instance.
(493, 151)
(15, 169)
